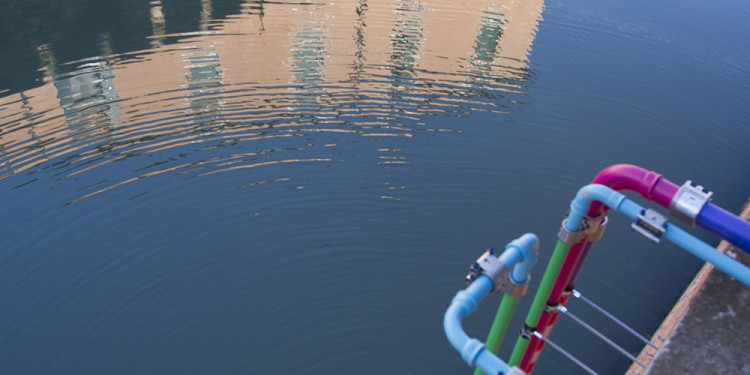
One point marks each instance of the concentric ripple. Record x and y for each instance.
(272, 85)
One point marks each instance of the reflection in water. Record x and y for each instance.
(158, 26)
(307, 78)
(307, 62)
(204, 82)
(89, 100)
(406, 37)
(162, 179)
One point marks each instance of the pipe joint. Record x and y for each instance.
(597, 227)
(471, 350)
(648, 184)
(689, 201)
(514, 289)
(488, 264)
(590, 229)
(465, 301)
(569, 237)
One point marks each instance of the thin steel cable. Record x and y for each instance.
(583, 298)
(600, 335)
(565, 353)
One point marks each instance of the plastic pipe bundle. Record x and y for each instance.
(519, 256)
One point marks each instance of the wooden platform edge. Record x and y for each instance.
(666, 329)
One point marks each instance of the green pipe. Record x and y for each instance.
(499, 325)
(540, 299)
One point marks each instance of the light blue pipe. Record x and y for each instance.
(472, 350)
(520, 254)
(528, 246)
(618, 202)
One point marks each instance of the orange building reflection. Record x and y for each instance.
(315, 48)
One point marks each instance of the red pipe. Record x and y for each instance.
(618, 177)
(547, 319)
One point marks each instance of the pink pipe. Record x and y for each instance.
(632, 177)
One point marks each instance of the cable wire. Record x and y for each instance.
(565, 353)
(580, 296)
(600, 335)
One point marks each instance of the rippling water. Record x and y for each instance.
(247, 187)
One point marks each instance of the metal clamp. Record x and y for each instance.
(512, 288)
(570, 238)
(489, 265)
(651, 224)
(551, 308)
(527, 332)
(689, 201)
(591, 227)
(598, 225)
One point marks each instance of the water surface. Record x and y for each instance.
(248, 186)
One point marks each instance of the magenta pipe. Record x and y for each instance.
(654, 188)
(632, 177)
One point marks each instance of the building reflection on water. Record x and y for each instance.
(271, 62)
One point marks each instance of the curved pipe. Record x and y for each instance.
(653, 187)
(632, 177)
(619, 202)
(528, 246)
(472, 350)
(519, 254)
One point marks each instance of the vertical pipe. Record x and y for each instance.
(499, 325)
(581, 260)
(540, 299)
(548, 319)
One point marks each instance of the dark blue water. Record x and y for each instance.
(298, 187)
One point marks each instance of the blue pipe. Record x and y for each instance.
(619, 202)
(520, 254)
(725, 225)
(528, 248)
(472, 350)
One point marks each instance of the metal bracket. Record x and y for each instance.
(489, 265)
(651, 224)
(527, 332)
(598, 225)
(551, 308)
(591, 227)
(689, 201)
(513, 289)
(570, 238)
